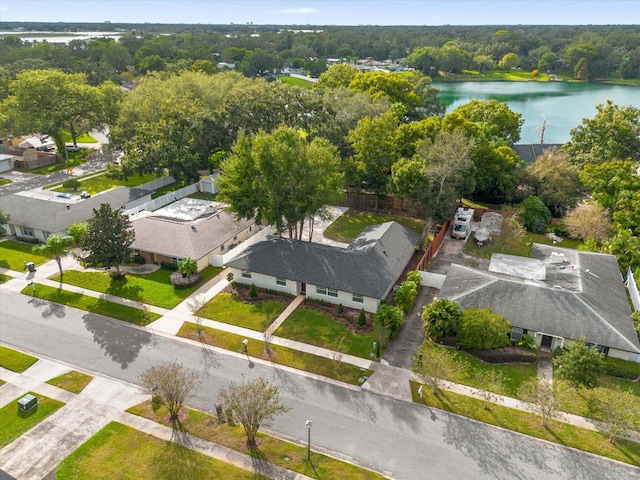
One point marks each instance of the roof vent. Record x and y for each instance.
(193, 227)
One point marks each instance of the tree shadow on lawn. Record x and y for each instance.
(177, 461)
(119, 288)
(261, 465)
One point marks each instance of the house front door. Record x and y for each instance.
(303, 288)
(546, 342)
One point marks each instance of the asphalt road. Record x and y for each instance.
(404, 440)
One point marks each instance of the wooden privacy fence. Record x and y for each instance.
(368, 201)
(434, 246)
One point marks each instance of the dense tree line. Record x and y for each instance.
(586, 52)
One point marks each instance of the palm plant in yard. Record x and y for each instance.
(187, 267)
(56, 247)
(440, 318)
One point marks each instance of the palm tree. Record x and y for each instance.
(56, 247)
(440, 318)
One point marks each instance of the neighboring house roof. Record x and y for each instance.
(51, 214)
(581, 296)
(369, 266)
(35, 142)
(173, 238)
(528, 152)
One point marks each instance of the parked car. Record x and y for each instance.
(73, 148)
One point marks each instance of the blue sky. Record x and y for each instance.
(328, 12)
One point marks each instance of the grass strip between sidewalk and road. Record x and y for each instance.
(153, 288)
(15, 422)
(273, 450)
(529, 424)
(72, 381)
(100, 306)
(14, 360)
(119, 451)
(282, 355)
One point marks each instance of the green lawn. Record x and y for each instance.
(100, 306)
(312, 327)
(298, 82)
(522, 249)
(82, 138)
(100, 183)
(72, 381)
(273, 450)
(14, 360)
(349, 225)
(227, 308)
(4, 278)
(13, 255)
(152, 288)
(121, 452)
(529, 424)
(169, 188)
(4, 181)
(576, 402)
(14, 422)
(282, 356)
(516, 374)
(203, 196)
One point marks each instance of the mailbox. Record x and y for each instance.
(27, 402)
(30, 266)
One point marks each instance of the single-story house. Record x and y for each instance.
(206, 233)
(557, 296)
(38, 143)
(359, 276)
(39, 213)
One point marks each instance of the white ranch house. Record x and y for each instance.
(359, 276)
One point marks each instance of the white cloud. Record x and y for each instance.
(299, 11)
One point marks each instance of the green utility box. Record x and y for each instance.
(27, 402)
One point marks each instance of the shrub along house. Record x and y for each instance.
(557, 297)
(359, 276)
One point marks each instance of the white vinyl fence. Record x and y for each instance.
(165, 199)
(632, 286)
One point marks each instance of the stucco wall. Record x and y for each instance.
(293, 288)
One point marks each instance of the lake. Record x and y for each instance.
(562, 104)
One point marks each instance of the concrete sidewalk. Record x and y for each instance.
(386, 379)
(39, 451)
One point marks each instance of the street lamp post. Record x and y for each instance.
(245, 342)
(309, 424)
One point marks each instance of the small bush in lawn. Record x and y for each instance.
(180, 281)
(230, 277)
(116, 275)
(72, 183)
(168, 266)
(340, 308)
(253, 293)
(362, 318)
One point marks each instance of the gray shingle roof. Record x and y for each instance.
(595, 304)
(178, 239)
(370, 266)
(53, 215)
(528, 152)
